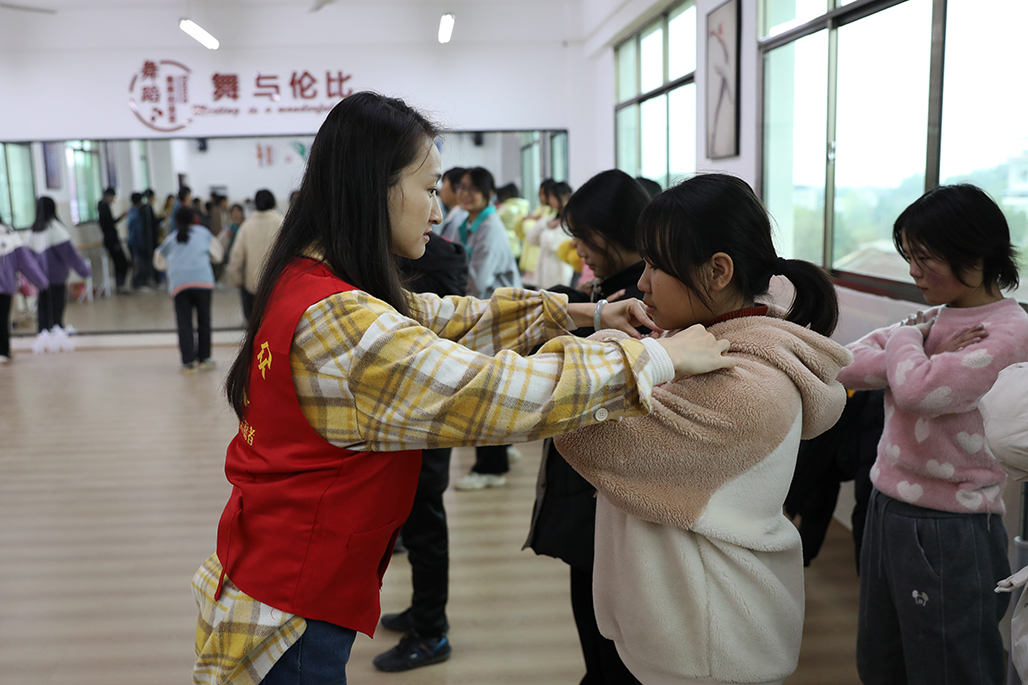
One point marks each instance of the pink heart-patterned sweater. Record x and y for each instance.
(933, 452)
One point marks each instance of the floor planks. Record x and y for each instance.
(111, 485)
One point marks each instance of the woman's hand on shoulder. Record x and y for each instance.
(626, 315)
(695, 351)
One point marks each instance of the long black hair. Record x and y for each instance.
(687, 224)
(343, 209)
(961, 225)
(608, 205)
(46, 211)
(184, 219)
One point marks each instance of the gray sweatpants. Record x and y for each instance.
(928, 611)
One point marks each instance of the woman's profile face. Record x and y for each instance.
(668, 302)
(471, 199)
(413, 207)
(237, 216)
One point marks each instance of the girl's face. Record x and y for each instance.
(554, 202)
(413, 209)
(937, 282)
(471, 199)
(604, 266)
(237, 216)
(670, 304)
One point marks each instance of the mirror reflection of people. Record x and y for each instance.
(251, 247)
(186, 255)
(57, 256)
(15, 258)
(344, 377)
(112, 241)
(548, 236)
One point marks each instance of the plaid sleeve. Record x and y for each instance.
(368, 378)
(512, 319)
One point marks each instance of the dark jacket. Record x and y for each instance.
(107, 223)
(564, 515)
(442, 270)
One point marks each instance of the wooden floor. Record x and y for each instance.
(111, 485)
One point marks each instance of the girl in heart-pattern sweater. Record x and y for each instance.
(932, 550)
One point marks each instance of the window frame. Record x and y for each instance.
(831, 21)
(666, 87)
(5, 158)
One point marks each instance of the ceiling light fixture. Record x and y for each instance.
(446, 27)
(196, 31)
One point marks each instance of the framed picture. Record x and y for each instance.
(52, 164)
(722, 75)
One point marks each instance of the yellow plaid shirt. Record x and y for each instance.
(368, 378)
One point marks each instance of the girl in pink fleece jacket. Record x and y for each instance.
(932, 550)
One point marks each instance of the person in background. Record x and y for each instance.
(236, 216)
(548, 235)
(491, 266)
(512, 209)
(137, 241)
(151, 238)
(187, 255)
(219, 222)
(934, 520)
(185, 199)
(530, 253)
(251, 247)
(202, 211)
(453, 214)
(602, 216)
(443, 270)
(112, 242)
(652, 188)
(15, 258)
(51, 244)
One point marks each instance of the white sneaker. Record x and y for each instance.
(4, 359)
(207, 364)
(480, 481)
(514, 455)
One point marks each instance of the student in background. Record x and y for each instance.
(453, 214)
(15, 258)
(937, 489)
(51, 243)
(251, 247)
(137, 242)
(512, 209)
(187, 255)
(548, 235)
(602, 216)
(112, 242)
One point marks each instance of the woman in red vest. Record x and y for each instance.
(344, 377)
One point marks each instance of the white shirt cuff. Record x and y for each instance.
(661, 369)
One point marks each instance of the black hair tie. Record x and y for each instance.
(779, 266)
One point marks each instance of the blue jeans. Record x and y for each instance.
(318, 658)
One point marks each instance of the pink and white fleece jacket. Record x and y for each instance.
(933, 452)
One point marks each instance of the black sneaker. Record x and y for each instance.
(412, 652)
(398, 623)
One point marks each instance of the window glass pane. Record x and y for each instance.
(795, 132)
(881, 134)
(651, 57)
(559, 156)
(653, 115)
(782, 15)
(531, 172)
(627, 68)
(681, 132)
(627, 124)
(5, 189)
(144, 164)
(995, 156)
(22, 185)
(681, 43)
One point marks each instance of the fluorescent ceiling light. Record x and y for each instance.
(446, 27)
(193, 29)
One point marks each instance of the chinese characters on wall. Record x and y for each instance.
(160, 94)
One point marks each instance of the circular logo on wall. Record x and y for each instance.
(159, 95)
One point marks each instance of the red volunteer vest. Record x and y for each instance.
(309, 528)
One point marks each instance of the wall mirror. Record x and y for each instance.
(74, 173)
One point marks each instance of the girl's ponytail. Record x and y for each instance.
(816, 303)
